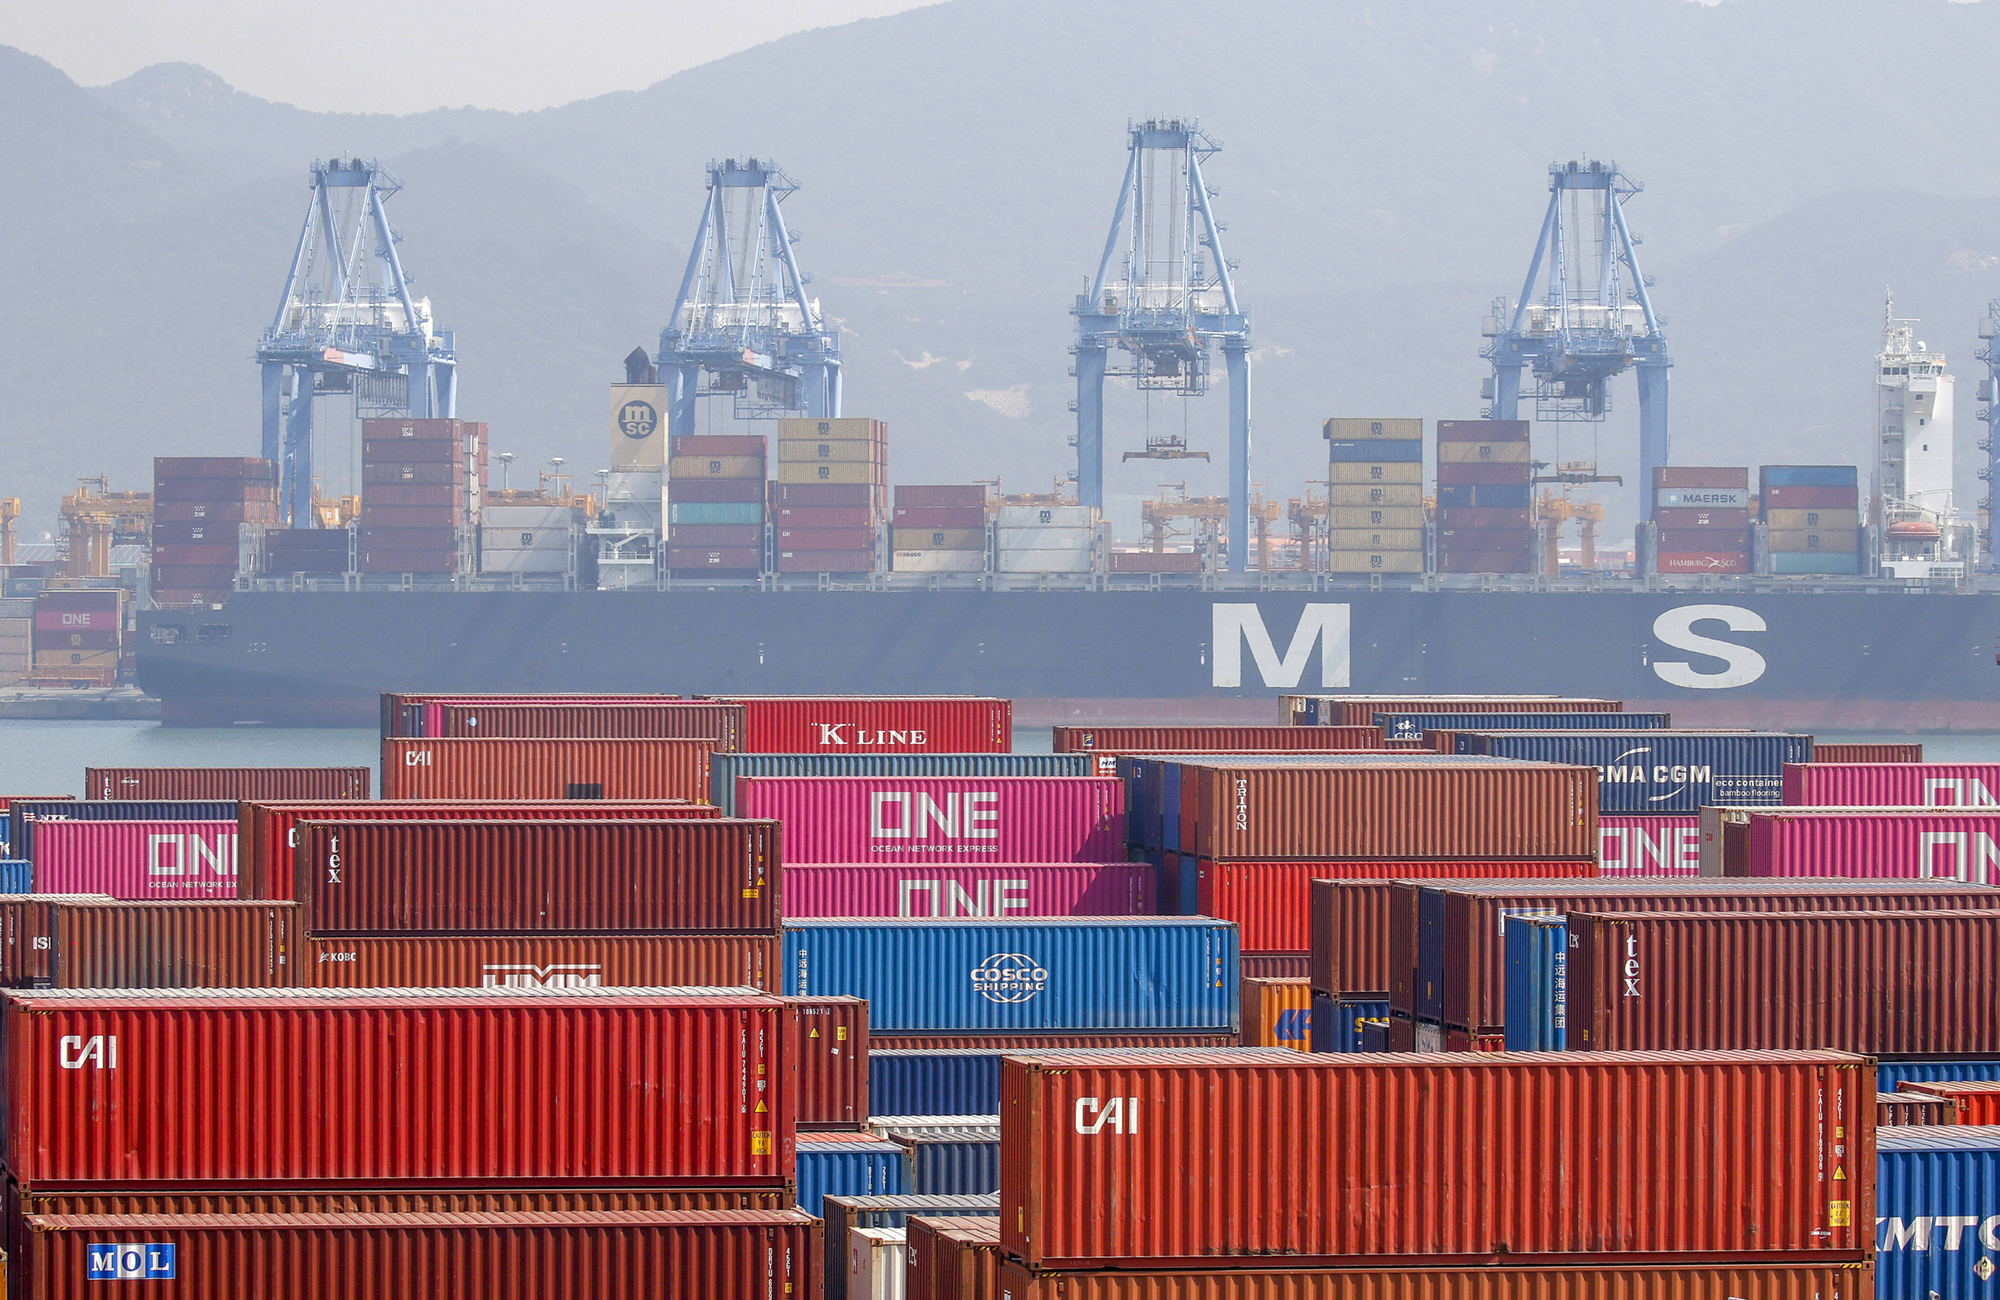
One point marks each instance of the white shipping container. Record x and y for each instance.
(523, 539)
(525, 561)
(1045, 517)
(938, 561)
(1043, 562)
(529, 516)
(1045, 539)
(875, 1263)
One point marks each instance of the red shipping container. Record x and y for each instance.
(826, 494)
(1722, 539)
(1683, 1281)
(1971, 1101)
(1468, 1160)
(1672, 517)
(939, 516)
(1811, 498)
(403, 1202)
(199, 533)
(213, 491)
(1078, 739)
(602, 1255)
(137, 859)
(718, 444)
(931, 496)
(542, 962)
(1919, 983)
(1891, 753)
(914, 724)
(1487, 517)
(1045, 1042)
(104, 639)
(716, 490)
(1903, 1108)
(211, 944)
(746, 559)
(1482, 430)
(1865, 783)
(1478, 474)
(1360, 710)
(804, 561)
(1703, 562)
(1276, 909)
(941, 819)
(832, 1054)
(377, 518)
(404, 712)
(397, 496)
(422, 429)
(27, 939)
(439, 474)
(717, 536)
(960, 889)
(1666, 844)
(635, 720)
(827, 539)
(952, 1258)
(860, 517)
(195, 554)
(249, 469)
(1521, 561)
(359, 876)
(1694, 476)
(545, 769)
(425, 1088)
(319, 783)
(399, 451)
(215, 513)
(1859, 843)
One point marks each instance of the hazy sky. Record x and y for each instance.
(382, 57)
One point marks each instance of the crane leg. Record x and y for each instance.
(1507, 391)
(1090, 365)
(1652, 429)
(274, 411)
(447, 392)
(1236, 352)
(683, 381)
(423, 390)
(296, 493)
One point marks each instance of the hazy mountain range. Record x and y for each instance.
(1383, 177)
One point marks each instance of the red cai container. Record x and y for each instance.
(211, 944)
(1464, 1160)
(950, 889)
(1360, 710)
(582, 1255)
(582, 720)
(718, 444)
(929, 496)
(137, 859)
(1482, 430)
(1904, 1108)
(1482, 474)
(1272, 905)
(1864, 783)
(433, 1088)
(530, 877)
(541, 962)
(915, 724)
(941, 819)
(823, 517)
(225, 782)
(1855, 843)
(267, 833)
(1663, 845)
(1811, 498)
(545, 769)
(1215, 740)
(1969, 1101)
(1347, 913)
(1703, 562)
(1390, 810)
(716, 490)
(831, 1049)
(1893, 753)
(1883, 983)
(1684, 1281)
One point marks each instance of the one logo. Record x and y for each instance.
(1009, 977)
(541, 977)
(129, 1262)
(906, 815)
(187, 855)
(1741, 665)
(1119, 1114)
(1238, 625)
(637, 420)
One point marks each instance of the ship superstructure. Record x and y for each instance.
(1913, 505)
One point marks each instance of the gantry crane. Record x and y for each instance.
(1552, 512)
(1208, 515)
(1163, 297)
(1593, 320)
(10, 510)
(1989, 414)
(742, 313)
(95, 519)
(347, 323)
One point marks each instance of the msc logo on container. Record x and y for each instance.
(127, 1262)
(1009, 977)
(577, 976)
(1119, 1114)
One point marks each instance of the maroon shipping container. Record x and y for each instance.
(214, 491)
(422, 429)
(383, 497)
(1473, 960)
(1685, 1280)
(555, 720)
(715, 490)
(951, 1258)
(405, 1202)
(542, 962)
(383, 1089)
(939, 516)
(207, 577)
(382, 525)
(102, 943)
(436, 560)
(545, 769)
(196, 554)
(718, 444)
(1525, 1158)
(1078, 739)
(1811, 498)
(1483, 474)
(912, 724)
(1698, 476)
(1521, 561)
(373, 474)
(1726, 539)
(832, 1056)
(250, 469)
(397, 451)
(825, 494)
(810, 561)
(719, 536)
(1913, 1108)
(824, 517)
(1915, 983)
(1669, 517)
(363, 877)
(196, 533)
(215, 513)
(827, 539)
(931, 496)
(1390, 809)
(1891, 753)
(1482, 430)
(27, 938)
(318, 783)
(1483, 517)
(1360, 710)
(1047, 1042)
(1274, 965)
(735, 559)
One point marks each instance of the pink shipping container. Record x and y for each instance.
(1857, 843)
(1212, 1159)
(1892, 785)
(1664, 845)
(137, 859)
(994, 889)
(941, 819)
(386, 1089)
(842, 724)
(546, 769)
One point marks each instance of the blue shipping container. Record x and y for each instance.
(1410, 726)
(714, 512)
(951, 1162)
(22, 815)
(1141, 778)
(1486, 496)
(1337, 1024)
(1937, 1211)
(1429, 985)
(1537, 990)
(16, 877)
(933, 1081)
(848, 1169)
(1890, 1073)
(1809, 476)
(1376, 451)
(1661, 771)
(725, 768)
(1059, 975)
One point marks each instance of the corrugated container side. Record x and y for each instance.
(1660, 771)
(725, 768)
(953, 1258)
(100, 1095)
(430, 1202)
(1890, 785)
(1655, 844)
(658, 720)
(1270, 901)
(911, 725)
(226, 782)
(1974, 1101)
(1899, 844)
(904, 1081)
(213, 944)
(1187, 740)
(1936, 1189)
(150, 860)
(1537, 1006)
(839, 1168)
(1277, 1013)
(23, 815)
(1360, 710)
(949, 889)
(1042, 1042)
(545, 769)
(590, 1255)
(1864, 753)
(832, 1056)
(1688, 1281)
(1883, 983)
(1907, 1108)
(541, 961)
(941, 819)
(951, 1162)
(1890, 1075)
(1452, 1158)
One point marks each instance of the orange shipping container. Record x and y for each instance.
(225, 782)
(193, 944)
(952, 1258)
(1277, 1013)
(546, 769)
(1975, 1102)
(1684, 1281)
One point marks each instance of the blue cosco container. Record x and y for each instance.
(950, 1162)
(1338, 1024)
(933, 1081)
(1937, 1211)
(22, 815)
(1537, 989)
(16, 877)
(1890, 1073)
(1071, 974)
(1660, 771)
(723, 769)
(1411, 726)
(848, 1169)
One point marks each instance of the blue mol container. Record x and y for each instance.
(723, 769)
(1937, 1211)
(1055, 975)
(1537, 989)
(847, 1169)
(24, 813)
(1660, 771)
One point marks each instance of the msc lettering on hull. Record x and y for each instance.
(1236, 626)
(1741, 664)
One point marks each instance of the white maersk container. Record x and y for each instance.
(938, 561)
(1043, 562)
(1008, 517)
(875, 1263)
(527, 539)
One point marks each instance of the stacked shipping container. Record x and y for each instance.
(78, 637)
(1375, 483)
(939, 529)
(715, 505)
(200, 507)
(828, 466)
(1484, 497)
(422, 483)
(1044, 539)
(1703, 519)
(1812, 514)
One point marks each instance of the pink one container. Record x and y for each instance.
(1892, 785)
(941, 819)
(985, 889)
(1666, 845)
(1893, 843)
(136, 859)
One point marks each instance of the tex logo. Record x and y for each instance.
(1009, 977)
(129, 1262)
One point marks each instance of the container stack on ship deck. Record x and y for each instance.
(830, 465)
(1375, 484)
(715, 505)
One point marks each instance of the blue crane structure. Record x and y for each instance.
(1593, 320)
(347, 324)
(1163, 297)
(742, 313)
(1989, 414)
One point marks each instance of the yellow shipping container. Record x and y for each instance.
(840, 471)
(715, 467)
(1408, 472)
(1376, 539)
(1375, 517)
(1361, 494)
(938, 539)
(1482, 453)
(1819, 521)
(1826, 541)
(1277, 1012)
(76, 659)
(858, 427)
(1340, 429)
(1375, 562)
(792, 449)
